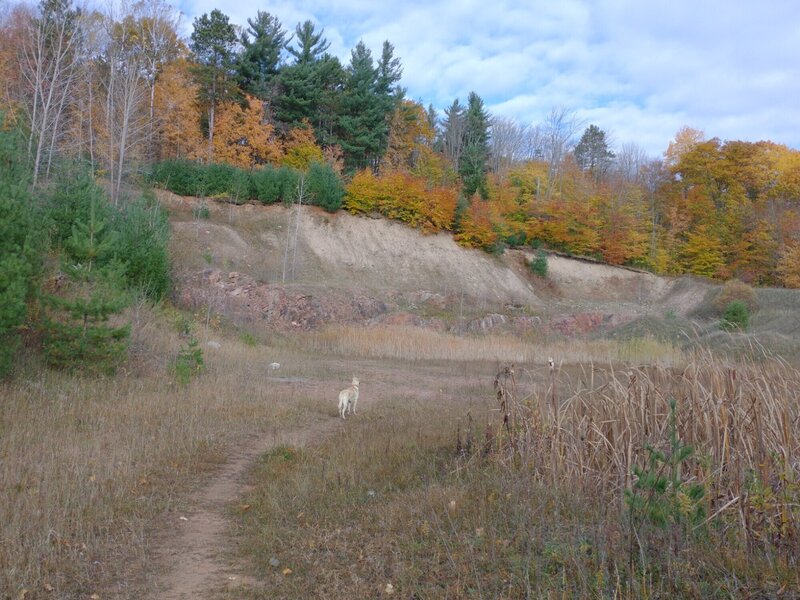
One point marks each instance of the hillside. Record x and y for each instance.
(344, 269)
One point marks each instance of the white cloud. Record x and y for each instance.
(639, 70)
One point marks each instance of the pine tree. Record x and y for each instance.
(369, 99)
(311, 46)
(76, 330)
(475, 154)
(310, 86)
(260, 60)
(213, 43)
(592, 153)
(20, 248)
(361, 116)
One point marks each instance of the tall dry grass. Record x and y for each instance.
(536, 509)
(89, 466)
(418, 344)
(592, 427)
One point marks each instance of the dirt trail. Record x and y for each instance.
(193, 560)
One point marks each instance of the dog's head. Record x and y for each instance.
(355, 381)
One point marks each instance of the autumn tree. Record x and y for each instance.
(214, 44)
(410, 136)
(685, 139)
(789, 266)
(178, 111)
(300, 149)
(157, 25)
(401, 196)
(244, 139)
(702, 253)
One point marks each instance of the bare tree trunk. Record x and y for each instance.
(48, 61)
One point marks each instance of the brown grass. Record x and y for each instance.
(537, 508)
(90, 469)
(89, 465)
(420, 344)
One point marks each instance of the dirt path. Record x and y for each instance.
(193, 560)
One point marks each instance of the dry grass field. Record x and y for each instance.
(90, 469)
(446, 484)
(544, 485)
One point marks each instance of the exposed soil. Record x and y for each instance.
(192, 560)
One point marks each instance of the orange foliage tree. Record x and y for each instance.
(476, 227)
(242, 137)
(402, 196)
(409, 133)
(789, 266)
(177, 113)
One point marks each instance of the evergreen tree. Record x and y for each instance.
(368, 100)
(311, 85)
(260, 60)
(475, 154)
(311, 46)
(214, 44)
(592, 152)
(452, 140)
(20, 247)
(76, 329)
(362, 113)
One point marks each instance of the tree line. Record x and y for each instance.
(121, 91)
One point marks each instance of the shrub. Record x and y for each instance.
(142, 239)
(182, 177)
(323, 186)
(475, 229)
(538, 265)
(736, 316)
(189, 361)
(735, 290)
(403, 197)
(218, 180)
(240, 189)
(270, 184)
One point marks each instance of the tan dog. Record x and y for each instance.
(348, 398)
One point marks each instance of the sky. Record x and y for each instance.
(638, 69)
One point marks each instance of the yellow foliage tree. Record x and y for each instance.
(476, 228)
(702, 253)
(685, 139)
(401, 196)
(789, 266)
(177, 113)
(410, 133)
(300, 148)
(242, 138)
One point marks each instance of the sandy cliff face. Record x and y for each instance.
(308, 268)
